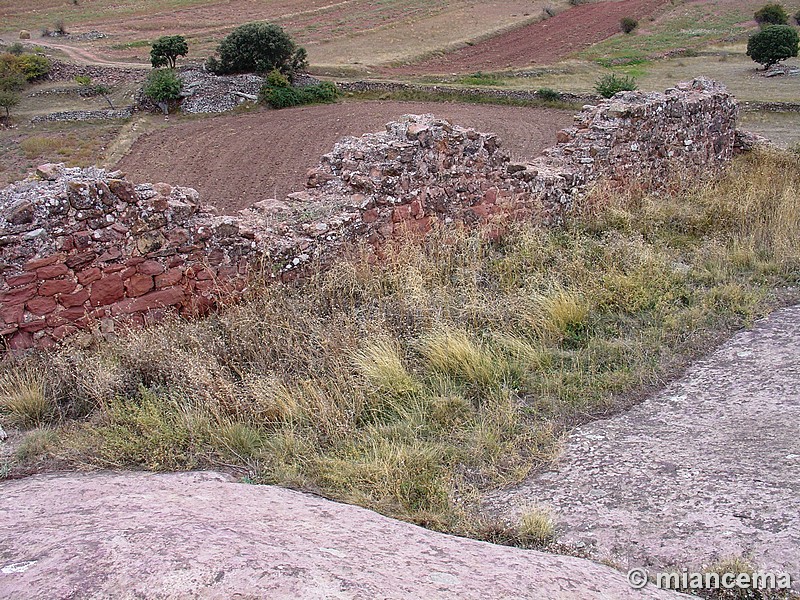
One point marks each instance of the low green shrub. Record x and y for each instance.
(162, 85)
(548, 94)
(627, 24)
(610, 84)
(285, 96)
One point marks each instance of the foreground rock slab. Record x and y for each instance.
(199, 535)
(707, 469)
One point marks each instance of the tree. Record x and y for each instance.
(258, 48)
(771, 14)
(773, 44)
(167, 49)
(8, 100)
(163, 86)
(95, 88)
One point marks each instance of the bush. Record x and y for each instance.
(162, 85)
(628, 24)
(258, 48)
(548, 95)
(27, 66)
(324, 92)
(797, 17)
(609, 85)
(773, 44)
(277, 79)
(284, 96)
(771, 14)
(16, 48)
(59, 28)
(34, 66)
(167, 49)
(280, 96)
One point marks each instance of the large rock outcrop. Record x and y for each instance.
(199, 535)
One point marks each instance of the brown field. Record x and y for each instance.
(544, 42)
(338, 34)
(234, 161)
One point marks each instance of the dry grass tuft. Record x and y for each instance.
(536, 526)
(25, 400)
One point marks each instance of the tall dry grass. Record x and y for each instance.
(414, 385)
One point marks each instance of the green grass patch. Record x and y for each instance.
(129, 45)
(480, 78)
(694, 27)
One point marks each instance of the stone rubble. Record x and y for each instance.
(205, 92)
(85, 115)
(81, 247)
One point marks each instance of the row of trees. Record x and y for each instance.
(251, 48)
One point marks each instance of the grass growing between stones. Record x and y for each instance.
(452, 367)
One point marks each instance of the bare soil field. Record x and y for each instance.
(544, 42)
(337, 33)
(234, 161)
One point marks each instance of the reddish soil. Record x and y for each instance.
(541, 43)
(235, 161)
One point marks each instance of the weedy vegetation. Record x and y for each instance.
(414, 384)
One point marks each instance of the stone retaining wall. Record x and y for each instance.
(500, 94)
(85, 115)
(83, 247)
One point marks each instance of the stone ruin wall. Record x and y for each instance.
(85, 248)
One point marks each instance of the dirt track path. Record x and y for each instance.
(199, 535)
(82, 56)
(709, 468)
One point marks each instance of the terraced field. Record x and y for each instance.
(234, 161)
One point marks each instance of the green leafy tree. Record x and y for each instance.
(771, 14)
(8, 100)
(163, 86)
(773, 44)
(258, 48)
(167, 49)
(11, 82)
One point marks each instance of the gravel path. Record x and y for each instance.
(709, 468)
